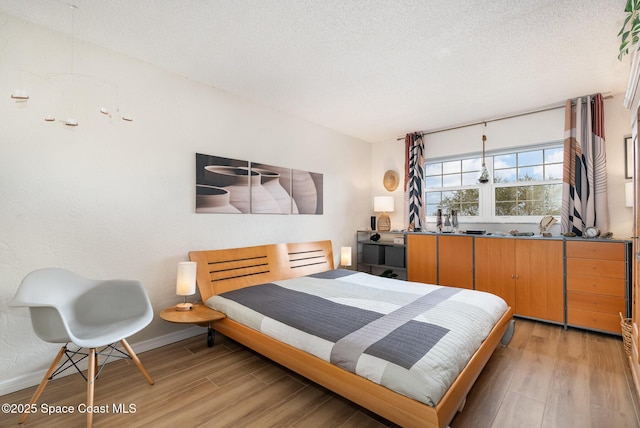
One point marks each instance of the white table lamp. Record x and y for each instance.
(345, 256)
(186, 283)
(383, 204)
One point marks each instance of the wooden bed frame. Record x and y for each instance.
(225, 270)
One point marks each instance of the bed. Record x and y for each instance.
(301, 271)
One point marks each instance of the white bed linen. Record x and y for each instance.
(468, 316)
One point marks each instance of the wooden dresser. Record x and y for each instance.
(597, 275)
(574, 282)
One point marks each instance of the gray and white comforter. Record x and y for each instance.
(410, 337)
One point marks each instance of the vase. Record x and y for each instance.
(211, 199)
(270, 180)
(304, 192)
(244, 186)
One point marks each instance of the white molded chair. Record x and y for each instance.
(92, 314)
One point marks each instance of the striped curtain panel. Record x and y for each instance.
(414, 182)
(584, 181)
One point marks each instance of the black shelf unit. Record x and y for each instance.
(384, 257)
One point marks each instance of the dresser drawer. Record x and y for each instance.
(595, 250)
(600, 268)
(596, 303)
(594, 284)
(594, 320)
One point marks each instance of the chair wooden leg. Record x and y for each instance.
(44, 382)
(137, 362)
(91, 377)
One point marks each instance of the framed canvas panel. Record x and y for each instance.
(273, 194)
(222, 185)
(307, 191)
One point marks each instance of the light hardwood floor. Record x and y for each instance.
(546, 377)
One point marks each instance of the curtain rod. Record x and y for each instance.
(511, 116)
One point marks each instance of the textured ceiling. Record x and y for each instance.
(372, 69)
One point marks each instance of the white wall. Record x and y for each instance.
(112, 199)
(116, 199)
(526, 130)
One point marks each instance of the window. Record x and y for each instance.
(458, 184)
(541, 169)
(524, 183)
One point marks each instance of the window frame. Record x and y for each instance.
(486, 192)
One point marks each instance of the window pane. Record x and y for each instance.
(434, 182)
(432, 202)
(433, 169)
(450, 167)
(536, 193)
(452, 180)
(553, 200)
(530, 173)
(505, 176)
(471, 165)
(433, 197)
(448, 201)
(555, 191)
(464, 201)
(553, 172)
(554, 155)
(469, 196)
(504, 161)
(448, 196)
(529, 200)
(505, 208)
(530, 208)
(530, 158)
(469, 209)
(431, 209)
(470, 178)
(506, 194)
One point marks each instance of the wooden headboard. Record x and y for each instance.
(225, 270)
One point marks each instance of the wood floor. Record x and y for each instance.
(546, 377)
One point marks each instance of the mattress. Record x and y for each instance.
(410, 337)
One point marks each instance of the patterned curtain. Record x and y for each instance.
(414, 182)
(584, 181)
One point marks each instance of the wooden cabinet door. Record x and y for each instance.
(455, 261)
(539, 291)
(495, 267)
(421, 258)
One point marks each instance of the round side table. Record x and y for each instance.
(199, 314)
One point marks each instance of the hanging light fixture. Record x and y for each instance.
(65, 85)
(484, 174)
(20, 95)
(71, 120)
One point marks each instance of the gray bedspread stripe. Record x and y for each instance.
(333, 274)
(314, 315)
(346, 351)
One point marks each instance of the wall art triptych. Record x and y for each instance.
(226, 185)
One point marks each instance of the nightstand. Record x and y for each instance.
(200, 315)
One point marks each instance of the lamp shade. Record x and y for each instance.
(345, 256)
(383, 204)
(628, 194)
(186, 280)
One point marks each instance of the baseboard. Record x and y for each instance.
(31, 379)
